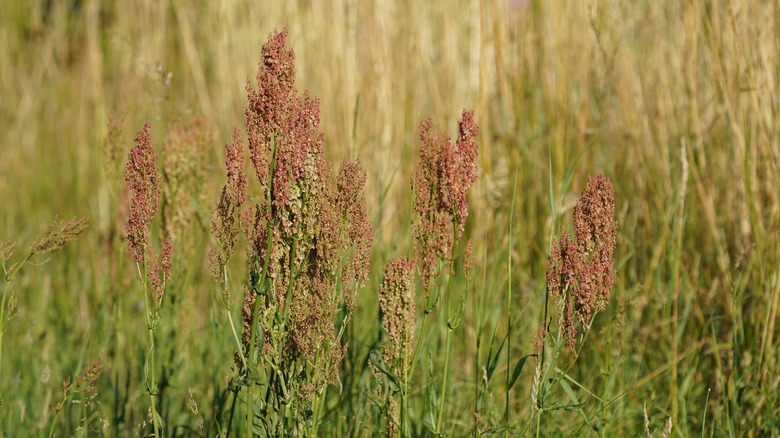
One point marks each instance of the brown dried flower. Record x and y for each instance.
(538, 339)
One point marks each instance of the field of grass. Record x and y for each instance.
(676, 103)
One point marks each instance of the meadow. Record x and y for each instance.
(181, 291)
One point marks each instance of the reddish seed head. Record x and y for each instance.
(160, 272)
(441, 183)
(142, 176)
(396, 300)
(581, 270)
(224, 218)
(596, 231)
(301, 231)
(267, 112)
(358, 234)
(563, 271)
(234, 163)
(538, 339)
(287, 154)
(468, 259)
(466, 169)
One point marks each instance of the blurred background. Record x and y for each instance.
(676, 102)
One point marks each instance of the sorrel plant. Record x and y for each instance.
(444, 175)
(154, 271)
(307, 242)
(580, 274)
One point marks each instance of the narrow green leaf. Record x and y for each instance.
(457, 317)
(567, 389)
(379, 364)
(518, 369)
(493, 361)
(429, 421)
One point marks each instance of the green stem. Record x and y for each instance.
(249, 396)
(8, 279)
(57, 414)
(314, 400)
(153, 384)
(2, 321)
(235, 336)
(448, 336)
(509, 309)
(405, 389)
(150, 324)
(477, 375)
(442, 403)
(538, 422)
(250, 360)
(232, 410)
(419, 340)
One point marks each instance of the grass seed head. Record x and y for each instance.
(58, 234)
(6, 250)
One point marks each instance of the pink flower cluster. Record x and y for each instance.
(441, 183)
(581, 270)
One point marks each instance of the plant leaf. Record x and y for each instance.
(493, 360)
(518, 369)
(394, 384)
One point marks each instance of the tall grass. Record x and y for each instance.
(675, 103)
